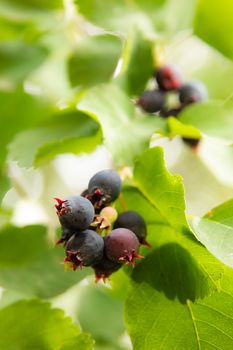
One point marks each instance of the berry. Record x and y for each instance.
(84, 249)
(194, 91)
(134, 222)
(109, 213)
(170, 112)
(121, 245)
(152, 101)
(104, 187)
(75, 212)
(105, 268)
(66, 233)
(168, 78)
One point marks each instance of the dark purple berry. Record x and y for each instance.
(151, 101)
(192, 92)
(66, 233)
(168, 78)
(133, 222)
(121, 245)
(104, 187)
(105, 268)
(75, 212)
(84, 249)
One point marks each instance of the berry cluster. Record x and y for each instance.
(169, 82)
(92, 232)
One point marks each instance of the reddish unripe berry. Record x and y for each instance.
(168, 78)
(122, 245)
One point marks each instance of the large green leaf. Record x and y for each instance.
(38, 4)
(30, 266)
(163, 190)
(125, 132)
(25, 112)
(212, 118)
(94, 60)
(178, 296)
(35, 325)
(124, 14)
(213, 23)
(66, 132)
(215, 231)
(18, 59)
(137, 64)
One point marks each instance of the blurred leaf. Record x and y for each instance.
(124, 14)
(19, 111)
(163, 190)
(100, 314)
(175, 127)
(66, 132)
(213, 23)
(11, 29)
(212, 118)
(94, 60)
(82, 342)
(137, 64)
(125, 133)
(28, 265)
(38, 4)
(4, 185)
(18, 59)
(157, 321)
(35, 325)
(215, 231)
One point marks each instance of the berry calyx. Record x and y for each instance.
(122, 245)
(75, 212)
(168, 78)
(151, 101)
(134, 222)
(84, 249)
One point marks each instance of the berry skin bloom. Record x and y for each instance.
(75, 212)
(121, 245)
(168, 78)
(192, 92)
(84, 249)
(104, 187)
(134, 222)
(151, 101)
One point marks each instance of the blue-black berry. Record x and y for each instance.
(105, 268)
(152, 101)
(84, 249)
(192, 92)
(75, 212)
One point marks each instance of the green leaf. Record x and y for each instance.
(19, 59)
(94, 60)
(38, 4)
(137, 65)
(35, 325)
(213, 23)
(123, 14)
(215, 231)
(125, 132)
(212, 118)
(178, 297)
(175, 127)
(66, 132)
(163, 190)
(82, 342)
(25, 112)
(30, 266)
